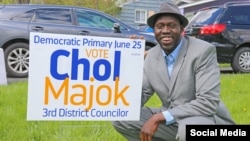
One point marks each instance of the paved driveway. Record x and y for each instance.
(11, 80)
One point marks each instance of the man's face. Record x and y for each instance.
(168, 31)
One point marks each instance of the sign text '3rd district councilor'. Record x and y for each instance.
(84, 77)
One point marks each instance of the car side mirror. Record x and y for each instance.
(117, 28)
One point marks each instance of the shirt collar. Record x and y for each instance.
(175, 51)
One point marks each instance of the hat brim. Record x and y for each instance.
(151, 20)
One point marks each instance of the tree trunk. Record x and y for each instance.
(23, 1)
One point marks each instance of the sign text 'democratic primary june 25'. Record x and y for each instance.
(84, 77)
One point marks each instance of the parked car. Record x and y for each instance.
(228, 28)
(18, 20)
(145, 27)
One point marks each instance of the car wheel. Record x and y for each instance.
(17, 60)
(241, 60)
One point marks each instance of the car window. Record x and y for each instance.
(91, 19)
(205, 17)
(237, 15)
(94, 20)
(149, 29)
(52, 15)
(26, 16)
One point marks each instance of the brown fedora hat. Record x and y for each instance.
(168, 8)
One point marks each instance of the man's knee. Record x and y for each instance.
(116, 124)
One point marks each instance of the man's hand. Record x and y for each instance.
(150, 127)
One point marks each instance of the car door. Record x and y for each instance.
(53, 20)
(237, 20)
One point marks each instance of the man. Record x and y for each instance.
(184, 73)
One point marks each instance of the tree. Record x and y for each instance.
(23, 1)
(107, 6)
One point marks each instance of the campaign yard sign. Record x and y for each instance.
(75, 77)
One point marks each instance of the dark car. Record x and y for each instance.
(228, 28)
(17, 21)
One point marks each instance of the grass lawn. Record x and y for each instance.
(235, 92)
